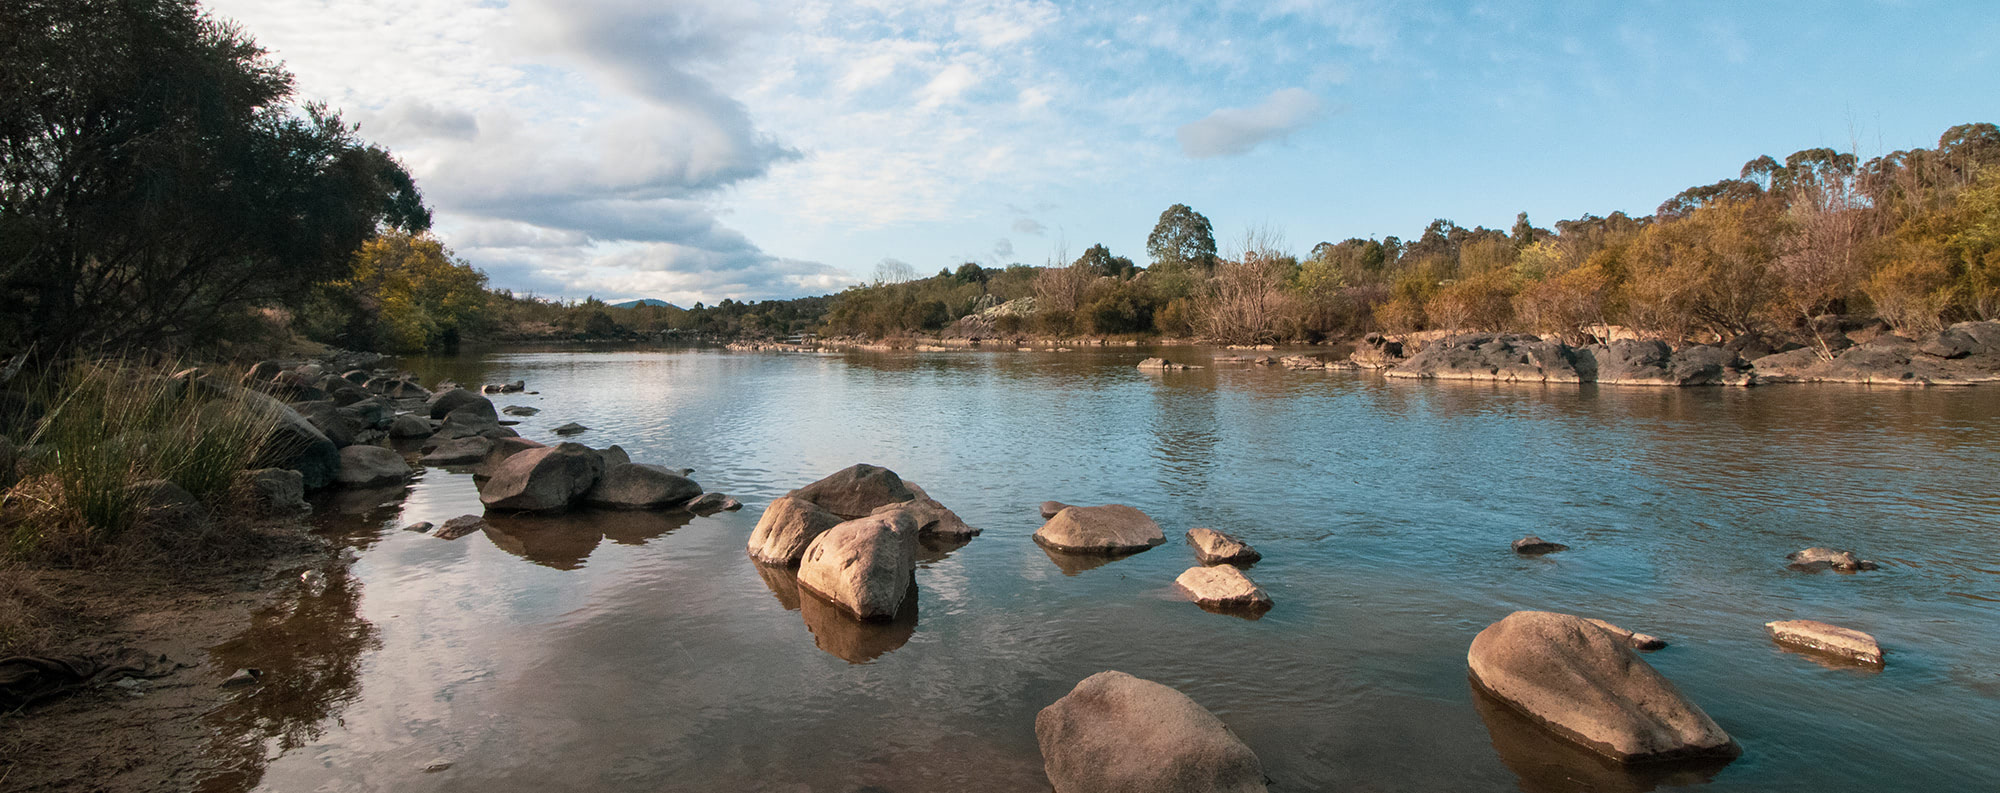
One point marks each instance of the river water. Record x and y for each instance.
(647, 652)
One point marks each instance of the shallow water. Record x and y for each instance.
(646, 652)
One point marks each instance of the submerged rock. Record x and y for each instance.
(1214, 547)
(1588, 686)
(865, 566)
(542, 480)
(856, 491)
(1115, 733)
(1833, 640)
(1222, 587)
(1642, 642)
(788, 526)
(459, 527)
(1109, 529)
(460, 451)
(1818, 558)
(363, 466)
(1164, 365)
(444, 404)
(711, 503)
(520, 410)
(640, 486)
(571, 428)
(1532, 545)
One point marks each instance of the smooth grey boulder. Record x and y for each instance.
(1109, 529)
(410, 425)
(1643, 642)
(1222, 587)
(459, 451)
(1214, 547)
(272, 491)
(362, 466)
(864, 566)
(1588, 686)
(545, 479)
(294, 443)
(788, 526)
(504, 448)
(1050, 508)
(520, 410)
(571, 428)
(444, 403)
(374, 412)
(1115, 733)
(614, 455)
(640, 486)
(336, 423)
(855, 491)
(1843, 643)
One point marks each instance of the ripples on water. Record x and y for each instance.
(645, 652)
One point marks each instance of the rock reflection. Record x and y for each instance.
(564, 541)
(1546, 763)
(855, 641)
(1077, 563)
(931, 550)
(309, 650)
(835, 631)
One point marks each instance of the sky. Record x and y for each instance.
(754, 149)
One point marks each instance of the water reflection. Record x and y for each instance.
(934, 549)
(563, 541)
(835, 631)
(309, 649)
(1546, 763)
(1078, 563)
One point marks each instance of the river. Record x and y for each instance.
(628, 651)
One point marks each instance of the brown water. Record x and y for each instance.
(646, 652)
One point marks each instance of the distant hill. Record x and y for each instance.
(644, 302)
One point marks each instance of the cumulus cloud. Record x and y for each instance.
(1235, 130)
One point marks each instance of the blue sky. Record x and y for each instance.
(752, 149)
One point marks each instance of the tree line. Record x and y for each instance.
(161, 186)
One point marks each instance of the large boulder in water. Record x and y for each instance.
(1214, 547)
(856, 491)
(865, 566)
(410, 425)
(1109, 529)
(640, 486)
(1115, 733)
(445, 403)
(788, 526)
(459, 451)
(1652, 362)
(933, 519)
(363, 466)
(1588, 686)
(1223, 587)
(295, 443)
(546, 479)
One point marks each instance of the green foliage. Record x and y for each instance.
(155, 181)
(403, 293)
(1182, 240)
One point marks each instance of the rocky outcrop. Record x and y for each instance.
(1115, 733)
(542, 480)
(1585, 684)
(1532, 545)
(1818, 558)
(1214, 547)
(1374, 351)
(1504, 357)
(1831, 640)
(933, 519)
(271, 492)
(460, 451)
(1164, 365)
(865, 566)
(1967, 353)
(410, 425)
(788, 526)
(446, 402)
(1222, 587)
(856, 491)
(1109, 529)
(367, 466)
(1650, 362)
(640, 486)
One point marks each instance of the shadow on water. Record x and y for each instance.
(309, 651)
(564, 541)
(835, 631)
(1079, 563)
(1546, 763)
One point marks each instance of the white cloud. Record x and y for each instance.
(1235, 130)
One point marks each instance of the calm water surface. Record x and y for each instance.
(646, 651)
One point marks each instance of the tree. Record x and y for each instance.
(1099, 259)
(1819, 256)
(1182, 240)
(405, 293)
(156, 183)
(893, 271)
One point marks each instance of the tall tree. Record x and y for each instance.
(155, 181)
(1183, 240)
